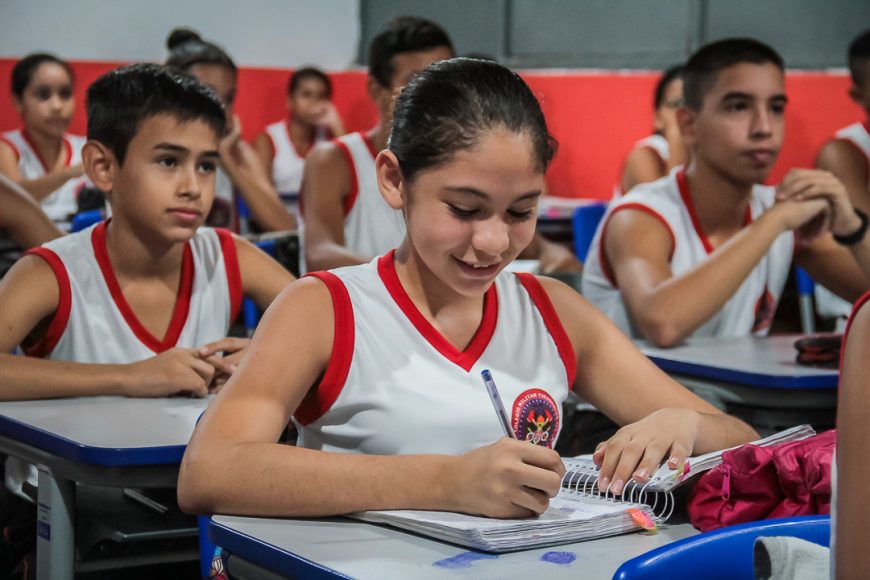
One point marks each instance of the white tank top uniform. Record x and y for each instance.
(60, 205)
(749, 311)
(829, 304)
(660, 147)
(371, 227)
(288, 162)
(395, 385)
(95, 324)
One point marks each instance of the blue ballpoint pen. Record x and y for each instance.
(496, 403)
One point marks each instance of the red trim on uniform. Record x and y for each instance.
(182, 301)
(866, 124)
(465, 358)
(602, 256)
(299, 154)
(45, 345)
(370, 144)
(321, 400)
(26, 136)
(685, 194)
(234, 274)
(855, 308)
(15, 150)
(551, 320)
(354, 181)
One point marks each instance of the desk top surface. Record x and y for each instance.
(338, 547)
(105, 430)
(767, 362)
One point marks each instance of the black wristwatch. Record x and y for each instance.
(857, 235)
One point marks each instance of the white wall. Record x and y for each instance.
(267, 33)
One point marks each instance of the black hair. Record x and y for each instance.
(704, 66)
(308, 72)
(187, 48)
(859, 54)
(403, 34)
(24, 69)
(448, 106)
(670, 75)
(121, 99)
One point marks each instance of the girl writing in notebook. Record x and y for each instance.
(379, 365)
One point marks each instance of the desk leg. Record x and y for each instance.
(55, 535)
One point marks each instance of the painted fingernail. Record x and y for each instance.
(672, 461)
(641, 474)
(603, 482)
(617, 486)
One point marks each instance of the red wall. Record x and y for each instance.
(596, 116)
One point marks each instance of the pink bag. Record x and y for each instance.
(756, 483)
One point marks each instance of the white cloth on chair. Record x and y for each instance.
(788, 558)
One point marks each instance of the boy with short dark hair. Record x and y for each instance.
(347, 222)
(139, 305)
(706, 251)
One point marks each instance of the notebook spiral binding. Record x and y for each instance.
(585, 484)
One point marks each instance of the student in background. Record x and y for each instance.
(653, 157)
(379, 364)
(706, 251)
(347, 221)
(846, 155)
(122, 307)
(41, 156)
(23, 224)
(240, 169)
(850, 510)
(311, 118)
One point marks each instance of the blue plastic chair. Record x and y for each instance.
(86, 219)
(250, 312)
(726, 553)
(585, 222)
(806, 289)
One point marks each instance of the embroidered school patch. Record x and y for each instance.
(535, 418)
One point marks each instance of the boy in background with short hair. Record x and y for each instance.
(706, 251)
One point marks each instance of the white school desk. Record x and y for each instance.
(754, 376)
(341, 548)
(105, 441)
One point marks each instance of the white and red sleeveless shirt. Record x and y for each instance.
(827, 303)
(95, 324)
(749, 311)
(660, 147)
(60, 205)
(287, 161)
(395, 385)
(371, 227)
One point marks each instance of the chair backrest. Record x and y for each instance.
(585, 222)
(85, 219)
(723, 553)
(806, 289)
(250, 312)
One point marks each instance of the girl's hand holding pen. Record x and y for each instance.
(508, 479)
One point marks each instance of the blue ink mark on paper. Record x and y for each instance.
(563, 558)
(463, 560)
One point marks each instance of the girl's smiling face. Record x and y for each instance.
(469, 217)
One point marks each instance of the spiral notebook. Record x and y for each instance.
(579, 512)
(571, 517)
(582, 475)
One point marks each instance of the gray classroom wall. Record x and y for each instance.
(812, 34)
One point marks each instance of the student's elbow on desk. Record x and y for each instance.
(660, 330)
(197, 491)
